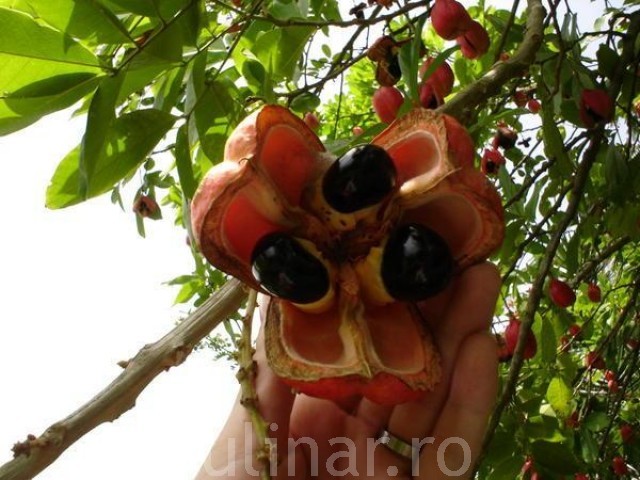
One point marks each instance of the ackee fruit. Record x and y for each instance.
(348, 247)
(511, 339)
(596, 106)
(386, 103)
(561, 293)
(594, 293)
(449, 19)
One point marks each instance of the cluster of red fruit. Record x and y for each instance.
(492, 158)
(451, 21)
(563, 296)
(523, 99)
(387, 100)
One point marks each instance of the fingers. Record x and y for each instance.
(470, 310)
(460, 427)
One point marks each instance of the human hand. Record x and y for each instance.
(315, 438)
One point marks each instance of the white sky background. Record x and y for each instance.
(80, 291)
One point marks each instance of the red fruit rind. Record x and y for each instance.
(441, 79)
(243, 198)
(358, 342)
(596, 105)
(386, 102)
(386, 372)
(561, 293)
(433, 155)
(449, 19)
(474, 42)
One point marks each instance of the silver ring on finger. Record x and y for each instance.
(396, 445)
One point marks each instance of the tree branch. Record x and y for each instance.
(36, 453)
(478, 92)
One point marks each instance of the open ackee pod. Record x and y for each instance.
(334, 241)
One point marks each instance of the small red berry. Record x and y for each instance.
(520, 98)
(386, 103)
(357, 131)
(613, 386)
(594, 293)
(581, 476)
(534, 105)
(626, 432)
(575, 330)
(596, 105)
(594, 360)
(632, 344)
(564, 343)
(573, 420)
(609, 375)
(561, 293)
(619, 466)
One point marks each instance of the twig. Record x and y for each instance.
(248, 398)
(588, 267)
(37, 453)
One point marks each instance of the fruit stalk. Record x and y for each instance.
(248, 398)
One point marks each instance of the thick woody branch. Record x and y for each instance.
(490, 84)
(37, 453)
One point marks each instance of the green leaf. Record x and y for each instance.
(84, 19)
(607, 60)
(183, 163)
(548, 341)
(100, 117)
(162, 48)
(43, 70)
(31, 102)
(553, 141)
(596, 421)
(279, 50)
(559, 396)
(131, 138)
(307, 102)
(509, 468)
(164, 9)
(555, 456)
(24, 39)
(588, 446)
(168, 89)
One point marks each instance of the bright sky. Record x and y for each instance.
(80, 291)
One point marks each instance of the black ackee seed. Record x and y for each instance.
(416, 263)
(358, 179)
(286, 270)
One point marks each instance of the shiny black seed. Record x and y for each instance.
(416, 263)
(360, 178)
(286, 270)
